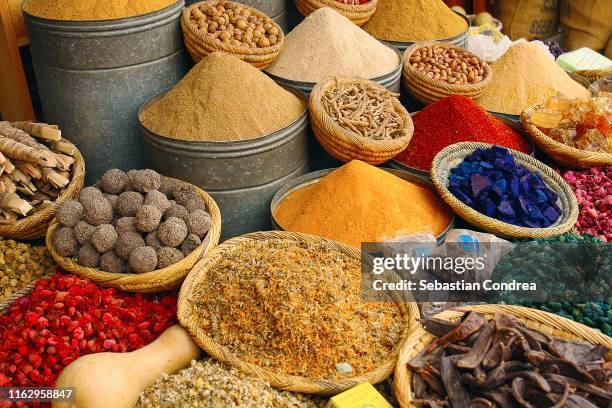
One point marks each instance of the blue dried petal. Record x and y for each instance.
(514, 186)
(479, 184)
(505, 208)
(535, 214)
(541, 196)
(551, 214)
(533, 223)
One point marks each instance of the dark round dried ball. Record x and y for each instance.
(190, 244)
(152, 240)
(184, 192)
(89, 193)
(199, 223)
(97, 211)
(112, 199)
(110, 262)
(104, 238)
(125, 224)
(83, 231)
(157, 199)
(177, 211)
(148, 218)
(145, 180)
(143, 259)
(127, 242)
(128, 203)
(167, 256)
(195, 203)
(88, 256)
(69, 213)
(65, 242)
(114, 181)
(172, 232)
(168, 184)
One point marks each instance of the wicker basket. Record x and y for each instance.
(200, 44)
(451, 156)
(189, 320)
(593, 75)
(346, 145)
(428, 90)
(35, 225)
(359, 14)
(149, 282)
(561, 153)
(534, 319)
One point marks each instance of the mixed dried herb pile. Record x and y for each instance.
(296, 309)
(480, 363)
(366, 109)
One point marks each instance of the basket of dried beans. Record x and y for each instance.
(39, 170)
(434, 70)
(358, 119)
(263, 303)
(358, 11)
(506, 356)
(233, 28)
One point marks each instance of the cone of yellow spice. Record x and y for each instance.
(93, 10)
(361, 203)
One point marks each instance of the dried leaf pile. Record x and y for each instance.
(209, 383)
(32, 173)
(501, 363)
(296, 309)
(367, 110)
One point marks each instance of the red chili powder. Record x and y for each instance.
(451, 120)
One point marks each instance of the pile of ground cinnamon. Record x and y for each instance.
(93, 10)
(526, 76)
(414, 20)
(222, 99)
(362, 203)
(326, 44)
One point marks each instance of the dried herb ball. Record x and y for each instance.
(127, 242)
(172, 232)
(89, 193)
(190, 244)
(128, 203)
(114, 181)
(125, 224)
(104, 238)
(168, 185)
(195, 203)
(69, 213)
(112, 199)
(143, 259)
(110, 262)
(83, 232)
(65, 242)
(199, 223)
(152, 240)
(88, 256)
(144, 180)
(148, 218)
(157, 199)
(177, 211)
(97, 210)
(167, 256)
(184, 192)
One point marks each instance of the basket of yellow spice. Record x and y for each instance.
(358, 11)
(359, 203)
(433, 71)
(286, 307)
(358, 119)
(233, 28)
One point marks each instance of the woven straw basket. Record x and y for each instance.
(451, 156)
(200, 44)
(359, 14)
(188, 316)
(534, 319)
(428, 90)
(346, 145)
(35, 225)
(593, 75)
(561, 153)
(149, 282)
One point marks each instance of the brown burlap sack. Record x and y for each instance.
(586, 23)
(528, 18)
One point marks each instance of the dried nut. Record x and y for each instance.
(448, 65)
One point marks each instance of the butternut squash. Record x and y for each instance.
(115, 380)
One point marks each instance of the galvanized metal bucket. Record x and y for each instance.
(391, 81)
(459, 40)
(241, 176)
(313, 178)
(93, 77)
